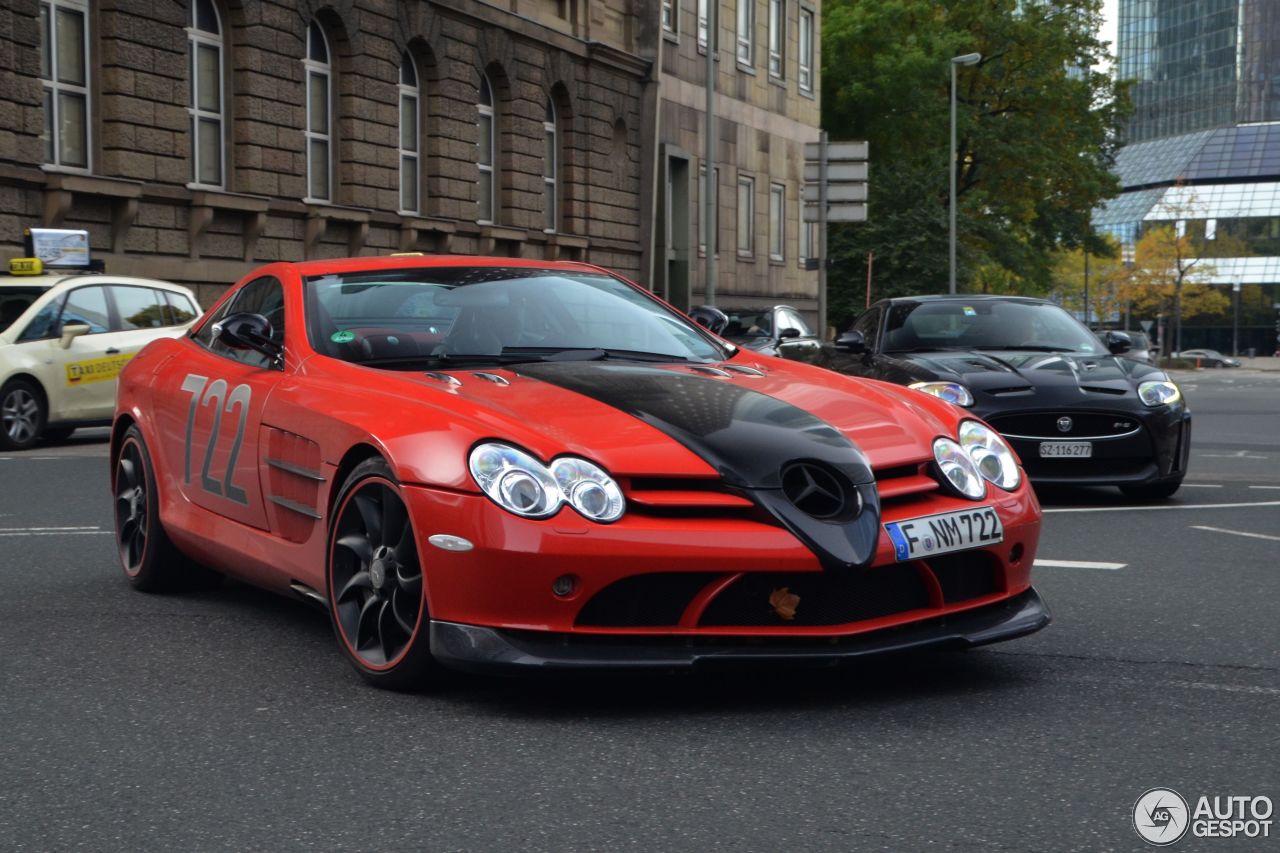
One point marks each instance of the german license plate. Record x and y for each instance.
(931, 535)
(1066, 449)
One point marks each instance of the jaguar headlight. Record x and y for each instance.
(1160, 392)
(958, 469)
(952, 392)
(521, 484)
(990, 454)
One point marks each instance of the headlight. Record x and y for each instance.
(958, 469)
(990, 454)
(952, 392)
(1159, 393)
(521, 484)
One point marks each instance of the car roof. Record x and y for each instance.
(970, 298)
(63, 282)
(401, 262)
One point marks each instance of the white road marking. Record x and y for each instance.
(1077, 564)
(1236, 532)
(54, 531)
(1264, 487)
(1173, 506)
(1239, 454)
(1200, 486)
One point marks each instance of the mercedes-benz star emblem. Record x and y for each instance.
(816, 491)
(1064, 424)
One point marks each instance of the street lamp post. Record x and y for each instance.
(1235, 319)
(966, 59)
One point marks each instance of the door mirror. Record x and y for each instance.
(712, 319)
(247, 331)
(1117, 342)
(851, 342)
(787, 334)
(70, 332)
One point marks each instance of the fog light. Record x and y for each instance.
(564, 586)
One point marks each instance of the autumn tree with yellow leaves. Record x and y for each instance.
(1170, 276)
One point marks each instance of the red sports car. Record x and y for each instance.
(498, 464)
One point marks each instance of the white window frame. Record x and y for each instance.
(808, 29)
(747, 199)
(487, 110)
(414, 91)
(704, 14)
(196, 38)
(777, 222)
(777, 38)
(314, 68)
(670, 17)
(551, 170)
(54, 87)
(745, 18)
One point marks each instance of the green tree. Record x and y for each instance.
(1035, 139)
(1169, 276)
(1107, 278)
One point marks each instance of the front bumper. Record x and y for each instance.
(480, 649)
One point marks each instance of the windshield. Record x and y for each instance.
(494, 314)
(14, 301)
(985, 324)
(747, 325)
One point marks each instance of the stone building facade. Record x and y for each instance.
(197, 139)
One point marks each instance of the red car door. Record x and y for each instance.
(209, 404)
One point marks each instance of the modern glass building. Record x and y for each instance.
(1203, 144)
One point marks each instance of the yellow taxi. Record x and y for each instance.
(65, 335)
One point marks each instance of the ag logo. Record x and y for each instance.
(1064, 424)
(1160, 816)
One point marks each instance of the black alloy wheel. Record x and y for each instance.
(377, 603)
(149, 559)
(22, 415)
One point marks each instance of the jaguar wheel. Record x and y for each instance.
(376, 597)
(22, 415)
(149, 559)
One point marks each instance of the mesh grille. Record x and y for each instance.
(1045, 424)
(826, 598)
(966, 575)
(644, 601)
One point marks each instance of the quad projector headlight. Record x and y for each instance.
(523, 485)
(979, 457)
(1158, 393)
(952, 392)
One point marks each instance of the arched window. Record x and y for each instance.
(487, 160)
(64, 74)
(551, 170)
(410, 144)
(319, 132)
(204, 106)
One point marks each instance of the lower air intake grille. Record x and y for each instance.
(826, 598)
(966, 575)
(644, 601)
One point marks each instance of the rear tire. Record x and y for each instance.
(149, 559)
(22, 414)
(1152, 491)
(375, 583)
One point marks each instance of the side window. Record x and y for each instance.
(41, 325)
(181, 308)
(87, 305)
(139, 307)
(869, 325)
(263, 296)
(791, 320)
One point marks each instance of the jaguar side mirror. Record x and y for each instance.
(851, 342)
(787, 334)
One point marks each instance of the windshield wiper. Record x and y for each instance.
(926, 349)
(588, 354)
(1028, 348)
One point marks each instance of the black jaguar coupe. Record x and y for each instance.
(1075, 413)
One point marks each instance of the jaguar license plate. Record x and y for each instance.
(1066, 449)
(931, 535)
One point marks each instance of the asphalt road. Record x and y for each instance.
(228, 720)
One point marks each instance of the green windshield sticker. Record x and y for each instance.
(343, 337)
(969, 312)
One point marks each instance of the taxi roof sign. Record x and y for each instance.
(58, 247)
(25, 266)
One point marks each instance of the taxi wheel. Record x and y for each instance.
(22, 414)
(377, 601)
(149, 559)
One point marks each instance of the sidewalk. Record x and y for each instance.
(1268, 363)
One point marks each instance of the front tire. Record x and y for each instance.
(1152, 491)
(377, 599)
(149, 559)
(22, 415)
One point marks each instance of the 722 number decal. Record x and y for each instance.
(203, 393)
